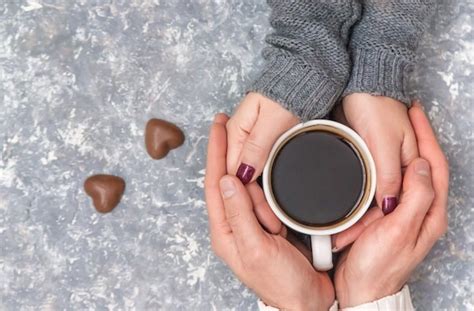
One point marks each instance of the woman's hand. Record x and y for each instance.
(389, 247)
(384, 125)
(251, 131)
(264, 260)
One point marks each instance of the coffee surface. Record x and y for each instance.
(317, 178)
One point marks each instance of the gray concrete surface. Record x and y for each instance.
(79, 79)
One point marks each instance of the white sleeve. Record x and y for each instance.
(400, 301)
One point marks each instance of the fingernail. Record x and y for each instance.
(219, 118)
(418, 104)
(245, 173)
(389, 203)
(336, 249)
(227, 188)
(333, 242)
(422, 168)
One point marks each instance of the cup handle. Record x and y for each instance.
(322, 252)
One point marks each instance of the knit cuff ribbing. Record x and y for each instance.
(296, 86)
(379, 72)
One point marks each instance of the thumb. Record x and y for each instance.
(389, 173)
(268, 127)
(240, 216)
(417, 195)
(346, 237)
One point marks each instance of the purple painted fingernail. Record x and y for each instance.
(245, 173)
(389, 204)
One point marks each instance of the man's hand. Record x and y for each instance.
(389, 247)
(262, 259)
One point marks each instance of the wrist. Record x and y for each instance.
(367, 113)
(314, 305)
(320, 297)
(365, 99)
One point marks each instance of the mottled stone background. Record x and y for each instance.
(79, 79)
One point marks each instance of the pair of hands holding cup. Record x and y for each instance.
(267, 258)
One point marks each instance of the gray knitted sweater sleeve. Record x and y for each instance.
(307, 62)
(383, 45)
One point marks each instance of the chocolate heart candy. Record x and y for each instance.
(105, 191)
(162, 136)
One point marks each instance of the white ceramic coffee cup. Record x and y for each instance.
(320, 235)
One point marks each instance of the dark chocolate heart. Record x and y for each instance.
(105, 191)
(162, 136)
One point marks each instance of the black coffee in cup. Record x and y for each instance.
(318, 178)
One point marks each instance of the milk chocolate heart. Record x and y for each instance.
(105, 191)
(162, 136)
